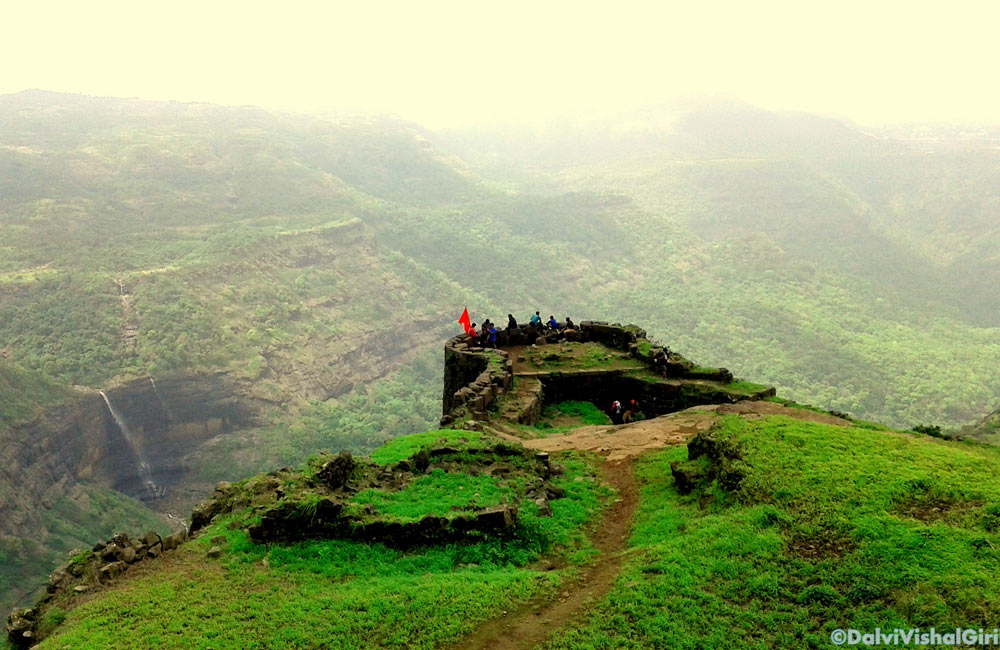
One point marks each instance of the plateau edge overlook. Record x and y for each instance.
(194, 294)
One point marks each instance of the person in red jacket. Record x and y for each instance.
(473, 335)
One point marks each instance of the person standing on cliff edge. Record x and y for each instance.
(511, 323)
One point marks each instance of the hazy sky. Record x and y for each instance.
(444, 63)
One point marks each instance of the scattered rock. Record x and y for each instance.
(21, 627)
(218, 540)
(544, 509)
(109, 553)
(81, 589)
(335, 473)
(214, 552)
(127, 554)
(110, 571)
(150, 538)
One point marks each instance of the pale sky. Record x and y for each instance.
(457, 63)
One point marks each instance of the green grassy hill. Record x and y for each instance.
(24, 395)
(313, 259)
(723, 243)
(830, 528)
(824, 527)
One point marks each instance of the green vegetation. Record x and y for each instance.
(571, 355)
(438, 493)
(405, 446)
(86, 514)
(307, 257)
(353, 594)
(563, 417)
(831, 527)
(24, 395)
(406, 401)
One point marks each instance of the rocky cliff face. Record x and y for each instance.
(84, 441)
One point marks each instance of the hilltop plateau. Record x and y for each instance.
(717, 515)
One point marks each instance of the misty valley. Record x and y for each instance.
(202, 306)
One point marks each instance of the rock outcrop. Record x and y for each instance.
(89, 571)
(475, 377)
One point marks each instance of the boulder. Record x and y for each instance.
(55, 580)
(497, 518)
(110, 571)
(110, 552)
(154, 550)
(174, 540)
(214, 552)
(203, 514)
(218, 540)
(335, 473)
(421, 460)
(127, 554)
(21, 627)
(544, 509)
(150, 538)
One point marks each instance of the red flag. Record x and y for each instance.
(465, 321)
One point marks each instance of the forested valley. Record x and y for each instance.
(319, 263)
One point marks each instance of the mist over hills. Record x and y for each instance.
(313, 260)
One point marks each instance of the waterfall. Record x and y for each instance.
(142, 469)
(163, 402)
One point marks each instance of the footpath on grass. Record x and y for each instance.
(532, 624)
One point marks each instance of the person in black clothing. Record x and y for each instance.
(569, 324)
(511, 323)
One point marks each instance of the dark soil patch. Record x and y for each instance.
(820, 547)
(532, 624)
(931, 509)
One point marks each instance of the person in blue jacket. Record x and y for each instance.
(491, 337)
(553, 325)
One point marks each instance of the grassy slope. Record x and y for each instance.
(723, 251)
(336, 593)
(24, 394)
(86, 514)
(832, 528)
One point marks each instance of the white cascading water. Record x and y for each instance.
(145, 473)
(163, 402)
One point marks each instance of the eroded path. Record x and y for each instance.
(531, 624)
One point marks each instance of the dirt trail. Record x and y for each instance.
(531, 624)
(630, 440)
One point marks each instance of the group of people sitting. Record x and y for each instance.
(486, 335)
(535, 322)
(620, 414)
